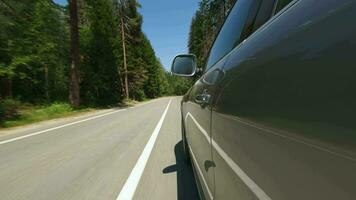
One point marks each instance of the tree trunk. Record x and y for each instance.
(46, 84)
(74, 97)
(5, 87)
(224, 9)
(10, 88)
(124, 52)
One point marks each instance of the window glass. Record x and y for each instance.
(281, 4)
(183, 65)
(230, 34)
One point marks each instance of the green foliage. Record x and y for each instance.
(33, 50)
(100, 81)
(205, 26)
(56, 108)
(13, 111)
(178, 85)
(156, 82)
(102, 68)
(35, 57)
(8, 109)
(27, 113)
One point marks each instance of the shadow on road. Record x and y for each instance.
(185, 178)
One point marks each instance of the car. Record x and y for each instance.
(273, 114)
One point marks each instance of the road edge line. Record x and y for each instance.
(128, 190)
(58, 127)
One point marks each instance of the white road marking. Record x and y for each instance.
(58, 127)
(70, 124)
(128, 190)
(260, 194)
(148, 102)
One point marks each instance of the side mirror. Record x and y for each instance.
(184, 65)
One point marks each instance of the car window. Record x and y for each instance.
(281, 4)
(232, 30)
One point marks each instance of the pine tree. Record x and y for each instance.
(39, 48)
(123, 27)
(205, 25)
(74, 90)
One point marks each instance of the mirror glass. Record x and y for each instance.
(184, 65)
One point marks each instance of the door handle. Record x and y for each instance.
(203, 98)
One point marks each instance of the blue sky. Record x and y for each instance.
(166, 24)
(62, 2)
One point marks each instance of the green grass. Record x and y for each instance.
(27, 114)
(130, 102)
(15, 113)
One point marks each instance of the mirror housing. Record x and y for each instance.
(184, 65)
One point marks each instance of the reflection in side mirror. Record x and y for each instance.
(184, 65)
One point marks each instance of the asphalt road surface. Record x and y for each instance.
(120, 154)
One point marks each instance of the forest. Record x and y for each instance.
(205, 25)
(86, 54)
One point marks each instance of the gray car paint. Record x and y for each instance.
(282, 123)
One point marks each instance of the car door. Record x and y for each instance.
(228, 185)
(197, 123)
(198, 108)
(281, 121)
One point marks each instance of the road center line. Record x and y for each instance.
(128, 190)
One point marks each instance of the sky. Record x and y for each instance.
(166, 24)
(62, 2)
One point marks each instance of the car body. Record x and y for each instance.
(273, 115)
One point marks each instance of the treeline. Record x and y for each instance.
(116, 60)
(33, 50)
(205, 25)
(114, 47)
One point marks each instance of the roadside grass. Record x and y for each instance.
(15, 113)
(18, 114)
(131, 102)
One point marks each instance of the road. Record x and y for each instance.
(97, 157)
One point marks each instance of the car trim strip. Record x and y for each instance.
(260, 194)
(201, 173)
